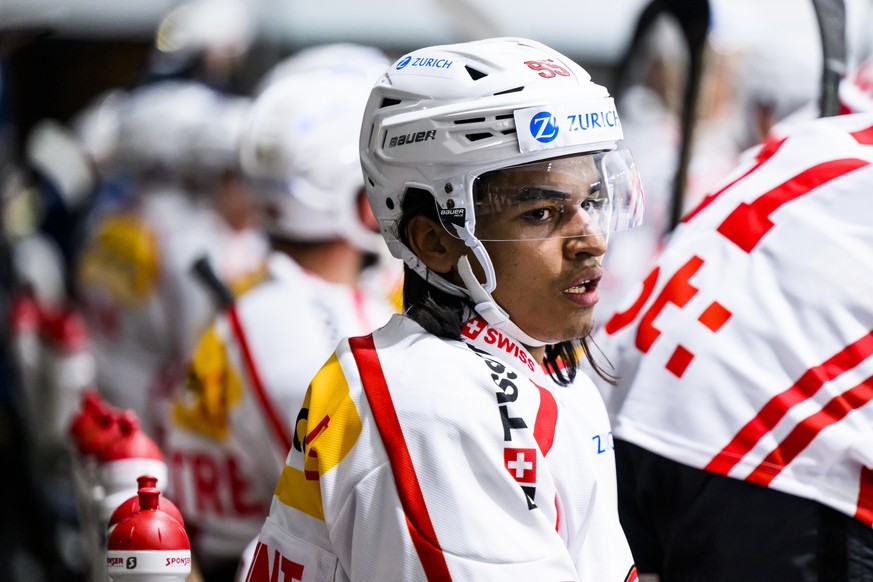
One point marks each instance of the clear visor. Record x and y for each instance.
(582, 195)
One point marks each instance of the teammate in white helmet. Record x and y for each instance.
(458, 441)
(142, 303)
(233, 420)
(743, 415)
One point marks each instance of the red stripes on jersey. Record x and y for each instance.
(778, 406)
(801, 435)
(418, 521)
(270, 413)
(864, 511)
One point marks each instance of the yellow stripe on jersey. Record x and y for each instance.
(327, 429)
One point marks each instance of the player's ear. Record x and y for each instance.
(431, 243)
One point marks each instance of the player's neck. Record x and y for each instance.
(335, 261)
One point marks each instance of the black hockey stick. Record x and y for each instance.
(693, 18)
(831, 16)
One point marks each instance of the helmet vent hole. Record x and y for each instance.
(504, 116)
(514, 90)
(475, 74)
(508, 131)
(389, 203)
(478, 136)
(469, 120)
(388, 102)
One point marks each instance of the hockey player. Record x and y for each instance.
(743, 414)
(458, 441)
(233, 420)
(143, 306)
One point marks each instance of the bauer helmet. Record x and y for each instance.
(443, 117)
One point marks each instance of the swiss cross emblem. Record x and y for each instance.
(473, 328)
(521, 464)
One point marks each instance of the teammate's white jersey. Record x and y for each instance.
(421, 458)
(232, 421)
(143, 305)
(747, 350)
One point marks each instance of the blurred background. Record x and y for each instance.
(61, 60)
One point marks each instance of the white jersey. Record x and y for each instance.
(418, 458)
(747, 349)
(231, 424)
(143, 305)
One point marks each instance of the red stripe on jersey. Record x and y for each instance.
(747, 224)
(776, 408)
(418, 521)
(864, 512)
(263, 399)
(360, 308)
(864, 136)
(547, 418)
(767, 150)
(800, 436)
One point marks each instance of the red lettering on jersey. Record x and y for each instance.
(679, 361)
(770, 147)
(260, 570)
(677, 291)
(750, 222)
(864, 511)
(239, 489)
(504, 343)
(714, 316)
(218, 486)
(491, 336)
(632, 576)
(177, 472)
(205, 473)
(623, 319)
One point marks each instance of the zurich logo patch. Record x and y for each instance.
(403, 62)
(544, 127)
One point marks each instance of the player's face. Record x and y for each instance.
(548, 285)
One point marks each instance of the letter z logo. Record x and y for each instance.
(544, 127)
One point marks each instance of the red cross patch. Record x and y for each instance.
(521, 464)
(473, 328)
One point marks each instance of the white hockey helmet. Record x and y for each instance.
(97, 129)
(340, 58)
(299, 156)
(197, 29)
(157, 125)
(443, 116)
(214, 145)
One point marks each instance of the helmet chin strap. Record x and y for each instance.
(485, 305)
